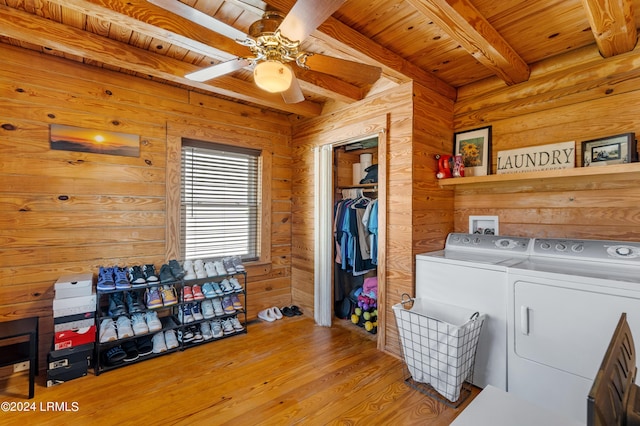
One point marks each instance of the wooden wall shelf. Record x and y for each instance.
(547, 174)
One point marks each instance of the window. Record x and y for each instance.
(220, 201)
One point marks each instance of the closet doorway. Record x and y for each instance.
(350, 174)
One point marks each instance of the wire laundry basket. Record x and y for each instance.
(438, 344)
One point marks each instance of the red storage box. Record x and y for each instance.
(70, 338)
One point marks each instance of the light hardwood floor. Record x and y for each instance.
(282, 373)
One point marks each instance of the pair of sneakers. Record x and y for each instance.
(190, 312)
(112, 330)
(140, 276)
(112, 278)
(159, 296)
(164, 341)
(191, 293)
(231, 325)
(147, 322)
(170, 272)
(194, 269)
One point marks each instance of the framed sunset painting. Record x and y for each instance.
(71, 138)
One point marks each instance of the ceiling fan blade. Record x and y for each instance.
(218, 69)
(348, 70)
(293, 94)
(306, 16)
(200, 18)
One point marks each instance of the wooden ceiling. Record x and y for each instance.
(444, 44)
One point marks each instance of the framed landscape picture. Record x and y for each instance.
(475, 148)
(71, 138)
(617, 149)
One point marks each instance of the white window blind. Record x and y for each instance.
(219, 201)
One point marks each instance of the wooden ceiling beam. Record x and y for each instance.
(153, 21)
(33, 29)
(463, 23)
(363, 49)
(613, 25)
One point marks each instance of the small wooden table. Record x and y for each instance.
(12, 350)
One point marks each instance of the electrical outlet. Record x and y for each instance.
(21, 366)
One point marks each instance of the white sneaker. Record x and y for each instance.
(235, 285)
(227, 327)
(207, 309)
(217, 307)
(226, 286)
(107, 331)
(153, 322)
(170, 339)
(210, 268)
(123, 325)
(235, 322)
(198, 267)
(195, 311)
(189, 272)
(220, 268)
(267, 315)
(139, 325)
(159, 345)
(205, 328)
(216, 329)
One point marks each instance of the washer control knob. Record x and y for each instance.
(505, 243)
(628, 252)
(545, 246)
(623, 251)
(476, 240)
(561, 247)
(466, 240)
(577, 248)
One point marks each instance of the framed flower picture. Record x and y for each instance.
(475, 148)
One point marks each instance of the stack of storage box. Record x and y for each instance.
(74, 310)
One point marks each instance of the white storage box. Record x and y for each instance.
(74, 305)
(76, 285)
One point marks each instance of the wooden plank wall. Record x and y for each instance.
(69, 212)
(576, 97)
(416, 216)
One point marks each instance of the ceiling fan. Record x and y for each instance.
(274, 42)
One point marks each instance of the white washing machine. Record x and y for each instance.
(471, 272)
(564, 303)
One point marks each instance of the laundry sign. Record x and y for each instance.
(535, 158)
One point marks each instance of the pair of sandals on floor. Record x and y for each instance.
(275, 313)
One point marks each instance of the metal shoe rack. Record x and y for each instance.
(168, 316)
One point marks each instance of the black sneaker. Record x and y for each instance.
(131, 351)
(176, 269)
(166, 276)
(150, 273)
(134, 302)
(136, 276)
(116, 305)
(144, 345)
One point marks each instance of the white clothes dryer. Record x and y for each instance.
(471, 272)
(564, 303)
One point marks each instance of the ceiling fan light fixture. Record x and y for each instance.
(273, 76)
